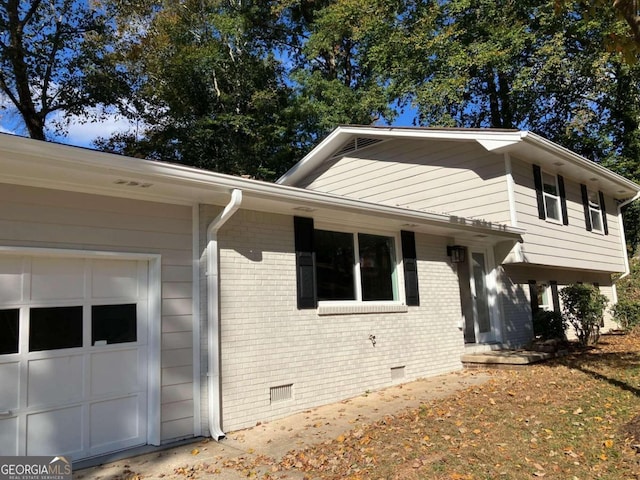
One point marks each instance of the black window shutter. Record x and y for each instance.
(305, 263)
(410, 263)
(554, 296)
(603, 209)
(533, 296)
(537, 179)
(585, 205)
(563, 201)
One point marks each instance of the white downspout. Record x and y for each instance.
(623, 240)
(213, 314)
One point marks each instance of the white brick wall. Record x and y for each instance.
(267, 342)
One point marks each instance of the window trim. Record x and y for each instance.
(595, 209)
(556, 197)
(397, 274)
(588, 209)
(541, 196)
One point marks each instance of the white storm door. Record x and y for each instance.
(75, 355)
(480, 296)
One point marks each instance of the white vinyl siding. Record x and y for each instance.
(568, 246)
(36, 217)
(444, 177)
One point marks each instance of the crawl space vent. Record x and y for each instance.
(281, 393)
(356, 144)
(397, 373)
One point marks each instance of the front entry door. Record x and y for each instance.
(480, 297)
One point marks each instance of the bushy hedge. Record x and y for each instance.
(583, 308)
(627, 310)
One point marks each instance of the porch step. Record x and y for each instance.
(505, 358)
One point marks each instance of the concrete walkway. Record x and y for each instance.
(244, 453)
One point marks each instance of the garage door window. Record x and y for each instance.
(113, 324)
(9, 321)
(53, 328)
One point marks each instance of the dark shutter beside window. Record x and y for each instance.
(533, 296)
(305, 263)
(554, 296)
(410, 263)
(585, 205)
(603, 209)
(563, 201)
(537, 178)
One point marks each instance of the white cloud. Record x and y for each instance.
(83, 133)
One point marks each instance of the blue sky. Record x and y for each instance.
(83, 134)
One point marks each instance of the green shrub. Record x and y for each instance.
(627, 311)
(627, 314)
(583, 309)
(549, 324)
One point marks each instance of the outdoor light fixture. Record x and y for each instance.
(456, 252)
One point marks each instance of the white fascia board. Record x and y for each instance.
(315, 157)
(185, 180)
(579, 160)
(489, 139)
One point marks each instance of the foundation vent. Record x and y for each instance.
(281, 393)
(397, 373)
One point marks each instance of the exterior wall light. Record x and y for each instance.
(456, 252)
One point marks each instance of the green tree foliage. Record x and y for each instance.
(627, 310)
(53, 58)
(209, 91)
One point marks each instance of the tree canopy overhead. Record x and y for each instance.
(247, 87)
(54, 58)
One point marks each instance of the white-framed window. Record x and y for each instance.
(544, 297)
(595, 211)
(356, 266)
(551, 195)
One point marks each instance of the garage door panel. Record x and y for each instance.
(73, 355)
(9, 436)
(10, 279)
(115, 279)
(57, 278)
(116, 421)
(9, 375)
(53, 381)
(55, 432)
(115, 373)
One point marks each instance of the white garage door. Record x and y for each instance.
(73, 355)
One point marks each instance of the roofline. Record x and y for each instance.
(72, 158)
(490, 139)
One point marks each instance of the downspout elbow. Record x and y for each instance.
(213, 315)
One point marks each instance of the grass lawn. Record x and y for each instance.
(573, 418)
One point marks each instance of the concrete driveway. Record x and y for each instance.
(243, 453)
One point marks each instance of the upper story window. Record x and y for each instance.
(355, 266)
(595, 212)
(551, 197)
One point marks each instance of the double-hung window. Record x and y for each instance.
(355, 266)
(595, 212)
(551, 196)
(340, 266)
